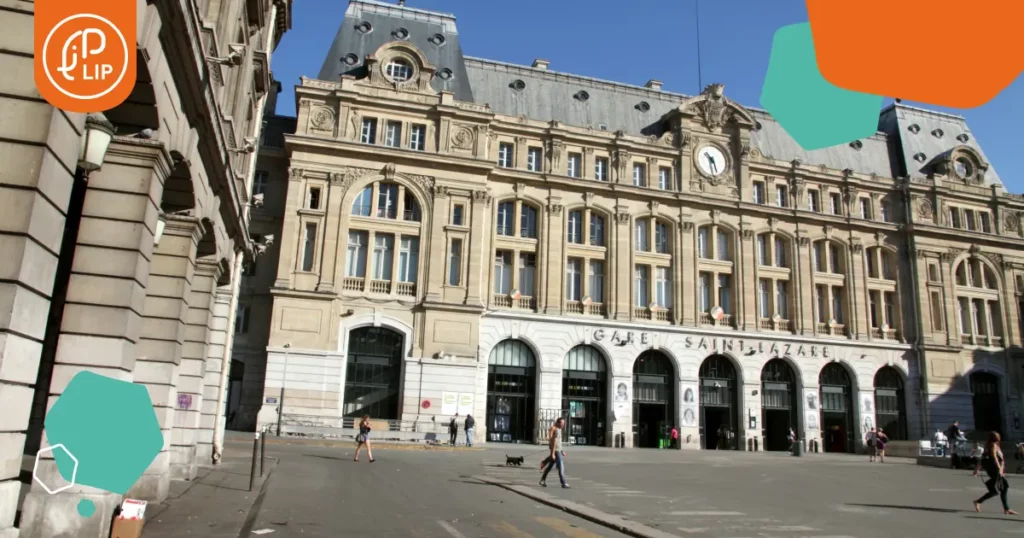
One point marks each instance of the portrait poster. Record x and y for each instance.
(449, 403)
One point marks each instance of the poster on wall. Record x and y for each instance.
(465, 403)
(449, 403)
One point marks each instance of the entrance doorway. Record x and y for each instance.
(584, 395)
(718, 406)
(654, 383)
(511, 390)
(373, 378)
(778, 404)
(985, 397)
(890, 406)
(836, 396)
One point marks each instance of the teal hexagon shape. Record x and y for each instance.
(110, 426)
(815, 112)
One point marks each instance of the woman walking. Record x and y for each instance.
(363, 439)
(880, 441)
(994, 464)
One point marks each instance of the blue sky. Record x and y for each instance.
(634, 41)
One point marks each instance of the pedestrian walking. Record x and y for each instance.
(557, 455)
(469, 429)
(791, 439)
(881, 439)
(871, 440)
(994, 464)
(674, 436)
(547, 459)
(363, 439)
(453, 430)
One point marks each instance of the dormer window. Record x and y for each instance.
(398, 70)
(963, 167)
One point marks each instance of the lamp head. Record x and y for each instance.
(95, 141)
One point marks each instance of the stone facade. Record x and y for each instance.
(461, 203)
(118, 271)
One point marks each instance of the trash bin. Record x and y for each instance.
(798, 449)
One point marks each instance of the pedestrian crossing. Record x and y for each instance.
(527, 526)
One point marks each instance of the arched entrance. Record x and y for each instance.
(511, 390)
(988, 416)
(585, 395)
(836, 396)
(373, 376)
(654, 391)
(778, 404)
(718, 406)
(890, 404)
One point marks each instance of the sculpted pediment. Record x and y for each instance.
(713, 109)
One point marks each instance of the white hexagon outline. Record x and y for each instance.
(74, 473)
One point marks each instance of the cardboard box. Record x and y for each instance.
(127, 528)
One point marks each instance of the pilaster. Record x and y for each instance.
(554, 254)
(805, 283)
(746, 286)
(290, 239)
(220, 309)
(332, 237)
(624, 268)
(857, 278)
(688, 308)
(437, 255)
(475, 277)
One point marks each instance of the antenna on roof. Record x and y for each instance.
(696, 9)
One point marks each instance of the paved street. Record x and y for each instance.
(319, 491)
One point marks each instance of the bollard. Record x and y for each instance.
(255, 450)
(263, 451)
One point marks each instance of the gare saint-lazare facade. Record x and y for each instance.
(458, 234)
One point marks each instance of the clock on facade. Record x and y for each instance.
(711, 160)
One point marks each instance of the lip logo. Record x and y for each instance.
(83, 59)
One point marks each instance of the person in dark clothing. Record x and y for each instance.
(453, 430)
(953, 435)
(469, 429)
(994, 464)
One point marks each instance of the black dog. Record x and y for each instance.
(514, 461)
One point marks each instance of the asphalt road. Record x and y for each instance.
(319, 491)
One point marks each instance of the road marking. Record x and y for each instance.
(451, 530)
(946, 490)
(565, 528)
(693, 530)
(509, 529)
(706, 513)
(791, 528)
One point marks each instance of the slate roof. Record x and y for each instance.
(613, 106)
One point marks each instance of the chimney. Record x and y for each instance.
(653, 84)
(541, 64)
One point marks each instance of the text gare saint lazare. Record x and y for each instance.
(622, 338)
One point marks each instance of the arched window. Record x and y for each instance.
(386, 200)
(584, 395)
(890, 403)
(586, 258)
(715, 253)
(654, 402)
(383, 261)
(398, 70)
(778, 404)
(653, 293)
(836, 393)
(511, 389)
(979, 309)
(507, 214)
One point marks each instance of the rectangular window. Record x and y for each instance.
(763, 288)
(356, 263)
(660, 238)
(527, 273)
(702, 243)
(781, 196)
(309, 247)
(242, 319)
(873, 309)
(601, 168)
(969, 219)
(383, 256)
(642, 285)
(822, 293)
(835, 205)
(986, 222)
(665, 178)
(455, 263)
(533, 159)
(409, 259)
(259, 182)
(575, 229)
(890, 308)
(387, 201)
(663, 287)
(964, 313)
(639, 175)
(833, 260)
(705, 292)
(575, 163)
(596, 284)
(506, 215)
(362, 204)
(722, 246)
(819, 257)
(837, 304)
(725, 293)
(368, 134)
(886, 212)
(643, 235)
(503, 272)
(780, 253)
(865, 208)
(393, 134)
(762, 250)
(872, 264)
(458, 215)
(813, 201)
(313, 202)
(573, 279)
(954, 217)
(528, 222)
(978, 306)
(596, 230)
(782, 299)
(505, 152)
(933, 272)
(418, 138)
(759, 197)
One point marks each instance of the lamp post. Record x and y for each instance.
(280, 398)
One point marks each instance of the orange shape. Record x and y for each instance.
(942, 52)
(85, 53)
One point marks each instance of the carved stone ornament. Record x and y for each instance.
(715, 215)
(654, 206)
(747, 234)
(555, 149)
(828, 231)
(463, 138)
(588, 198)
(440, 191)
(519, 187)
(687, 226)
(1010, 222)
(354, 124)
(858, 248)
(713, 109)
(555, 209)
(520, 140)
(924, 209)
(947, 257)
(974, 250)
(322, 118)
(389, 171)
(993, 257)
(295, 174)
(345, 177)
(588, 151)
(804, 241)
(622, 218)
(622, 162)
(850, 194)
(880, 238)
(745, 149)
(772, 223)
(483, 197)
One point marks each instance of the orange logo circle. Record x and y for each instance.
(85, 56)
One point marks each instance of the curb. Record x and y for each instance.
(610, 521)
(254, 509)
(340, 442)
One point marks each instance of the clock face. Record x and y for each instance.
(711, 160)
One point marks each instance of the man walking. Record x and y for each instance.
(557, 455)
(453, 430)
(469, 429)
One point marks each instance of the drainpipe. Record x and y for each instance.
(225, 367)
(911, 248)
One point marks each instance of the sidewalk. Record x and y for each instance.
(217, 504)
(246, 437)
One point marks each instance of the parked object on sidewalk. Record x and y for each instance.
(130, 519)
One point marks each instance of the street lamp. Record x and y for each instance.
(95, 141)
(280, 399)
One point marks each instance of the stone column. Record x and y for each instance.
(160, 345)
(102, 316)
(750, 406)
(290, 239)
(746, 286)
(474, 248)
(1008, 306)
(804, 291)
(688, 263)
(623, 274)
(332, 238)
(860, 321)
(219, 312)
(192, 370)
(554, 259)
(39, 149)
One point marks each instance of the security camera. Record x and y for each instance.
(268, 239)
(233, 59)
(248, 147)
(260, 249)
(257, 200)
